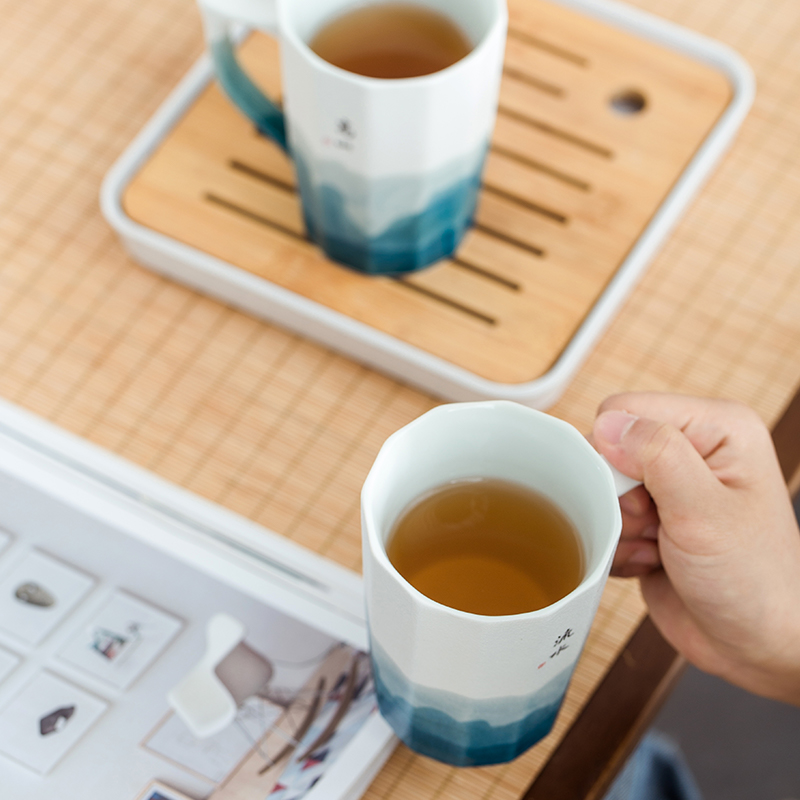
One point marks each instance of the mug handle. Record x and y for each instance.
(622, 483)
(219, 16)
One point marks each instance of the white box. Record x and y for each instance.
(136, 534)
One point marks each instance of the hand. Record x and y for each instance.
(711, 534)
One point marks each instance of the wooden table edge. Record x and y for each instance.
(609, 727)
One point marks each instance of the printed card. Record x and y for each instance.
(37, 594)
(122, 640)
(45, 720)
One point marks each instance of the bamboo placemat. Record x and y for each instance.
(281, 430)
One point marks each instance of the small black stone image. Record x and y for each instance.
(55, 720)
(34, 595)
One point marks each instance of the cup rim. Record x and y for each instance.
(589, 580)
(288, 34)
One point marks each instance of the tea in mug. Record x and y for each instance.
(391, 40)
(487, 546)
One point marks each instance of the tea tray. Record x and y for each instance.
(610, 120)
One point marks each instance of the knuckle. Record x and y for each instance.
(745, 422)
(739, 413)
(658, 442)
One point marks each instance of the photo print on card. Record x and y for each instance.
(37, 594)
(45, 720)
(214, 757)
(281, 743)
(123, 638)
(159, 791)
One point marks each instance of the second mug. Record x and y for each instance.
(389, 169)
(480, 686)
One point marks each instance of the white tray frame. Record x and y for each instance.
(211, 539)
(379, 350)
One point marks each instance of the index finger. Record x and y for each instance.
(706, 422)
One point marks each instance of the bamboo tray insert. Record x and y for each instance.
(595, 127)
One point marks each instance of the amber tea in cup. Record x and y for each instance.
(487, 546)
(391, 40)
(481, 688)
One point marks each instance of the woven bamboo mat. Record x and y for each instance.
(281, 430)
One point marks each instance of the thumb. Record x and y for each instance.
(659, 455)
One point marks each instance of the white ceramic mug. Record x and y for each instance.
(459, 687)
(389, 170)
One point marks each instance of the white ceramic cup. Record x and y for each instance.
(460, 687)
(389, 170)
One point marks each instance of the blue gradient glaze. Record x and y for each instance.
(410, 242)
(381, 226)
(266, 116)
(425, 719)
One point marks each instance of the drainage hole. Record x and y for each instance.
(629, 101)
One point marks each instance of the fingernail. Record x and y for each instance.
(646, 556)
(613, 425)
(633, 571)
(650, 532)
(634, 504)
